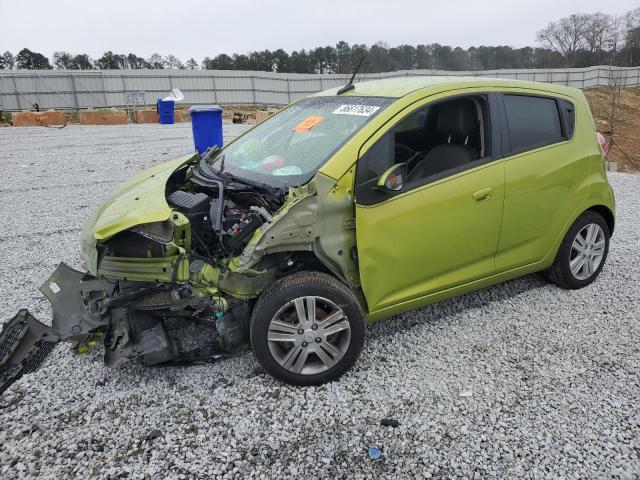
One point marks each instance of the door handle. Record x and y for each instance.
(483, 195)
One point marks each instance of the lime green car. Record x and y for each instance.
(344, 208)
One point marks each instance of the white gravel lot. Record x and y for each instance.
(519, 380)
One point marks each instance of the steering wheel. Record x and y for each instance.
(410, 156)
(414, 160)
(403, 152)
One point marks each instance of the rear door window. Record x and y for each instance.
(533, 122)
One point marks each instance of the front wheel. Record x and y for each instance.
(307, 329)
(582, 253)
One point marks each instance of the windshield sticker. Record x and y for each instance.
(308, 123)
(362, 110)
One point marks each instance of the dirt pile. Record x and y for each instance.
(146, 116)
(36, 119)
(620, 124)
(110, 116)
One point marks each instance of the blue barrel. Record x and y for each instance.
(165, 111)
(206, 123)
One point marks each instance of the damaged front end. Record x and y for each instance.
(177, 242)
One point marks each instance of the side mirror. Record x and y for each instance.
(394, 178)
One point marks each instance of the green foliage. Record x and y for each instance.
(578, 40)
(7, 61)
(111, 61)
(28, 60)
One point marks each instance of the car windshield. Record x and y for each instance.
(289, 147)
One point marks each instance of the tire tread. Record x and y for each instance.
(557, 273)
(304, 279)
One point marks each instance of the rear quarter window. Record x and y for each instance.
(568, 118)
(532, 122)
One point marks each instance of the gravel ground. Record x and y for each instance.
(519, 380)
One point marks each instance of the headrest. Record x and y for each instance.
(456, 119)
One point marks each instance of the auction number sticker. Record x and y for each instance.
(362, 110)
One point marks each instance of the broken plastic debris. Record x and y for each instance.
(374, 453)
(389, 422)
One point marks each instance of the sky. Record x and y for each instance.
(199, 28)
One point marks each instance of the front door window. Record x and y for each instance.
(435, 141)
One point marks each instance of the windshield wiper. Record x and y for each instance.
(209, 154)
(205, 174)
(210, 157)
(252, 183)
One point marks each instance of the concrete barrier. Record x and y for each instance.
(111, 116)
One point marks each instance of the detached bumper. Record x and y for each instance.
(26, 342)
(132, 320)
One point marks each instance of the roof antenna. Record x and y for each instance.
(350, 85)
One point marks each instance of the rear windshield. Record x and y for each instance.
(290, 146)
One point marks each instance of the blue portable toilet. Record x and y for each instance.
(206, 123)
(165, 111)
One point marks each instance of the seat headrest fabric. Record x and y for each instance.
(456, 118)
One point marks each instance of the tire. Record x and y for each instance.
(317, 349)
(561, 272)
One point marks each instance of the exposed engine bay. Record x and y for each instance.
(223, 216)
(223, 213)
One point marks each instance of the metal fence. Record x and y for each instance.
(67, 89)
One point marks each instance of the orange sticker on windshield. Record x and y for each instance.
(308, 123)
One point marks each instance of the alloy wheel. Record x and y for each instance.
(587, 251)
(309, 335)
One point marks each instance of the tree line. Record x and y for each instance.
(578, 40)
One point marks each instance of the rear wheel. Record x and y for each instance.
(582, 253)
(307, 329)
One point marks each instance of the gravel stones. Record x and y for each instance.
(553, 373)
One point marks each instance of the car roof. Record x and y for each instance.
(397, 87)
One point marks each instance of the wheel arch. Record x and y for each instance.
(598, 208)
(310, 261)
(606, 213)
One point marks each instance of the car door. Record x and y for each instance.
(544, 176)
(438, 232)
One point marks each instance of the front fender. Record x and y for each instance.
(138, 201)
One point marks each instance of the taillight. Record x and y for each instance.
(604, 144)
